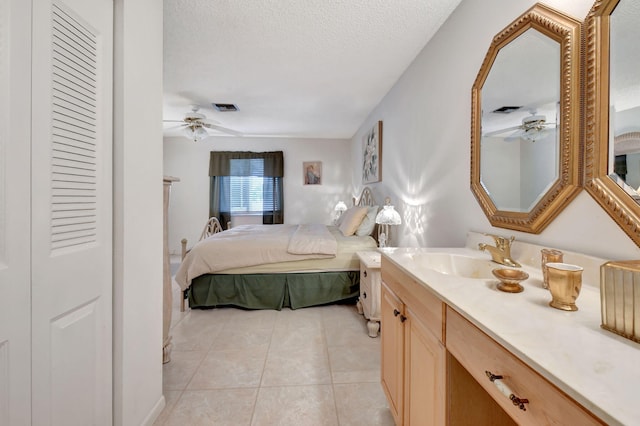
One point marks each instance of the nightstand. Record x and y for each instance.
(369, 301)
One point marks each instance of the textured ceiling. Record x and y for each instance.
(294, 68)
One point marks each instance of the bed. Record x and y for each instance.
(277, 266)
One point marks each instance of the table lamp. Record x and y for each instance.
(340, 208)
(387, 216)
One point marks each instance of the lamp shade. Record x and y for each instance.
(340, 207)
(388, 216)
(195, 133)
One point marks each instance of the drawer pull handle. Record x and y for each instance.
(365, 273)
(403, 318)
(364, 295)
(506, 391)
(396, 312)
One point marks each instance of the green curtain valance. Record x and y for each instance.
(220, 162)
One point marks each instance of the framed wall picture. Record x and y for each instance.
(372, 154)
(312, 172)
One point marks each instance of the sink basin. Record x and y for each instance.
(456, 264)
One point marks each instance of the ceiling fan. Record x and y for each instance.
(533, 127)
(195, 124)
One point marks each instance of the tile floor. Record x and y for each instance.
(312, 366)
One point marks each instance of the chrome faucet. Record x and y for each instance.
(501, 253)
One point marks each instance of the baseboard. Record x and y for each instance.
(155, 412)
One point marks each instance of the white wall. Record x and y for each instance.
(189, 161)
(137, 258)
(426, 143)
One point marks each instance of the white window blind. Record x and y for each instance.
(251, 192)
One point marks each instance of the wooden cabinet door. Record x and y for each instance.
(424, 374)
(392, 343)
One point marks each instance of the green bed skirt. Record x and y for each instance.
(273, 291)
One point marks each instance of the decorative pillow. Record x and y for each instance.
(368, 223)
(351, 219)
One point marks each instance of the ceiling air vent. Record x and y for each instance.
(506, 109)
(225, 107)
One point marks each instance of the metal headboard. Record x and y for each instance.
(365, 198)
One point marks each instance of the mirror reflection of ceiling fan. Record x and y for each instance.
(194, 125)
(533, 128)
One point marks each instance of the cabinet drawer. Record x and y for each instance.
(366, 296)
(365, 275)
(478, 353)
(425, 305)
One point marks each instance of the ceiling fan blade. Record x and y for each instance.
(501, 131)
(175, 127)
(222, 129)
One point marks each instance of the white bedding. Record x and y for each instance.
(272, 248)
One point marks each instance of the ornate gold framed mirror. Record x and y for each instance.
(612, 111)
(525, 138)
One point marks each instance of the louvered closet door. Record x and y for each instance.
(15, 281)
(72, 212)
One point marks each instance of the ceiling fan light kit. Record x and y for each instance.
(533, 127)
(194, 124)
(195, 132)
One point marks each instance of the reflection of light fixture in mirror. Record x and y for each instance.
(195, 132)
(387, 216)
(340, 208)
(534, 128)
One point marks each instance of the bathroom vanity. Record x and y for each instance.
(448, 335)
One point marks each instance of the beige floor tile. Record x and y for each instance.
(195, 332)
(357, 363)
(295, 406)
(348, 334)
(239, 319)
(355, 357)
(303, 338)
(177, 373)
(358, 376)
(240, 367)
(341, 315)
(299, 318)
(362, 404)
(229, 369)
(242, 338)
(229, 407)
(170, 399)
(296, 366)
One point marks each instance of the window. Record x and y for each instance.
(246, 183)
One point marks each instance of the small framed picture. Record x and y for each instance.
(372, 154)
(312, 172)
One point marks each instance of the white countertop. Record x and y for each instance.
(370, 259)
(597, 368)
